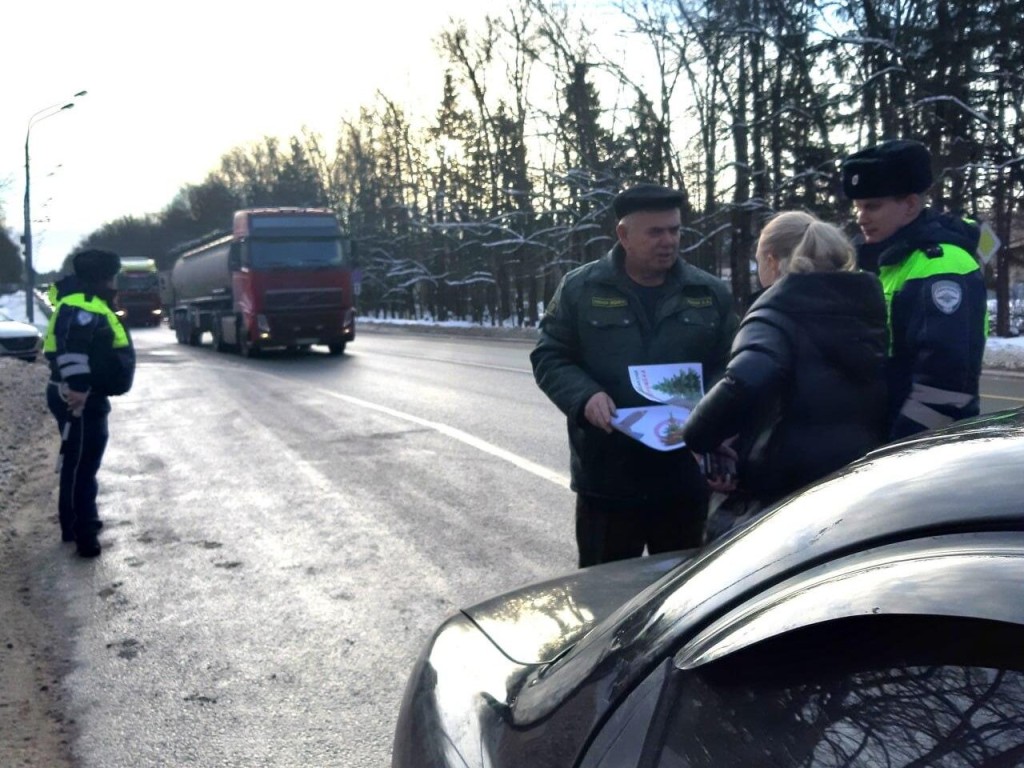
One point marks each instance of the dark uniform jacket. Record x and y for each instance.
(938, 320)
(805, 386)
(594, 328)
(88, 348)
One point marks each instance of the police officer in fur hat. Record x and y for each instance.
(933, 286)
(91, 359)
(641, 304)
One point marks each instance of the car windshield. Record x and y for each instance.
(878, 696)
(5, 316)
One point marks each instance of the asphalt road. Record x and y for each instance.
(282, 535)
(1001, 391)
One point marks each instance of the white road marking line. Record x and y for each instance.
(456, 434)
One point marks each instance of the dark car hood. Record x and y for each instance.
(535, 624)
(488, 692)
(961, 478)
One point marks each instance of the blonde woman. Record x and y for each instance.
(804, 390)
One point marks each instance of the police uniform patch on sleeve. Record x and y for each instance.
(947, 295)
(83, 317)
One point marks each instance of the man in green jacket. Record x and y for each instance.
(641, 304)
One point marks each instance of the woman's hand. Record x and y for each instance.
(720, 467)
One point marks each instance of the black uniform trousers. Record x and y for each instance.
(82, 453)
(608, 530)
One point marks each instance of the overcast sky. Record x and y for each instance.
(174, 86)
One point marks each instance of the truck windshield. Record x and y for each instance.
(293, 253)
(142, 281)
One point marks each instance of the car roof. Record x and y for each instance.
(961, 479)
(959, 575)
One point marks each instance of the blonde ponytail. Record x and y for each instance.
(804, 243)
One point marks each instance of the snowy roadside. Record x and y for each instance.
(34, 729)
(1000, 354)
(1004, 354)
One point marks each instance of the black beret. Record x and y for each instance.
(96, 265)
(890, 169)
(646, 197)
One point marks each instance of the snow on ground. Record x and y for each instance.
(1006, 354)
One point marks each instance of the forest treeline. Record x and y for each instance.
(475, 211)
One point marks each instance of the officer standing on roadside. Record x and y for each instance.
(641, 304)
(934, 288)
(91, 358)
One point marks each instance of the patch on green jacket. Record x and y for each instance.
(601, 301)
(704, 301)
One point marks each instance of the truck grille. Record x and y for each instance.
(307, 298)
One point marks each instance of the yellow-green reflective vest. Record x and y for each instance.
(95, 305)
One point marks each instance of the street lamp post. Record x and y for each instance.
(26, 238)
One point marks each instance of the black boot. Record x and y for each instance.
(67, 526)
(87, 538)
(89, 546)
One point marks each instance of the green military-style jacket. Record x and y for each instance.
(594, 328)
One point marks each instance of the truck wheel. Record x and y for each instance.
(337, 348)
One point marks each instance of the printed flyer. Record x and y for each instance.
(677, 387)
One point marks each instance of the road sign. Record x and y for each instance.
(988, 243)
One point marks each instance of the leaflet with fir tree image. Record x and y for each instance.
(679, 386)
(675, 383)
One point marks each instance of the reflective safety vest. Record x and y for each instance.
(94, 305)
(935, 300)
(921, 266)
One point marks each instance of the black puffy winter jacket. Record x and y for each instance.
(805, 385)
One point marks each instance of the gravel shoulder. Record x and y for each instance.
(33, 729)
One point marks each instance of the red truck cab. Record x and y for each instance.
(282, 278)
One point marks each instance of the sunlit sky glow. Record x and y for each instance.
(173, 87)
